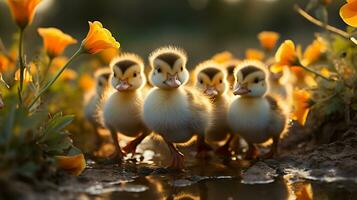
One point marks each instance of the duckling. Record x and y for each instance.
(254, 115)
(211, 80)
(92, 100)
(122, 111)
(229, 66)
(172, 110)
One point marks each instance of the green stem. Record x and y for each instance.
(53, 80)
(315, 72)
(317, 22)
(21, 58)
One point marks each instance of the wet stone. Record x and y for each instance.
(260, 173)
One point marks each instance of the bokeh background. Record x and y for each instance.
(202, 27)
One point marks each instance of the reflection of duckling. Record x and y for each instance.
(173, 111)
(93, 98)
(122, 111)
(253, 115)
(210, 79)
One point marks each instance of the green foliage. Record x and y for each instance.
(336, 101)
(29, 141)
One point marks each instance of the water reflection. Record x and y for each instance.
(141, 177)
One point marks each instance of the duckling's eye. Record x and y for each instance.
(256, 80)
(100, 83)
(158, 70)
(220, 81)
(201, 81)
(181, 68)
(134, 74)
(114, 75)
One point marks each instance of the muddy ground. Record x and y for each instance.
(303, 170)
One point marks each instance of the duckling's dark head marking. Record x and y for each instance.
(230, 69)
(249, 70)
(210, 72)
(123, 65)
(170, 58)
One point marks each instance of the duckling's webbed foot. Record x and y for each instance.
(132, 145)
(273, 149)
(225, 149)
(252, 152)
(202, 148)
(178, 162)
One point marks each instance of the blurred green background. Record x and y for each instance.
(202, 27)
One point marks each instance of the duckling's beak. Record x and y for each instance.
(211, 91)
(123, 85)
(241, 89)
(172, 81)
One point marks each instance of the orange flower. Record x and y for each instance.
(286, 54)
(57, 63)
(254, 54)
(4, 62)
(68, 75)
(86, 82)
(72, 164)
(301, 109)
(222, 57)
(268, 39)
(55, 41)
(313, 52)
(348, 13)
(23, 11)
(98, 39)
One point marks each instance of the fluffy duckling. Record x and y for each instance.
(229, 66)
(93, 98)
(211, 80)
(171, 109)
(254, 115)
(122, 111)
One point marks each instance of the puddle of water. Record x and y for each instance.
(210, 179)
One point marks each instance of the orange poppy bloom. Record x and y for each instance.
(23, 11)
(286, 54)
(68, 75)
(57, 63)
(301, 106)
(254, 54)
(98, 39)
(268, 39)
(72, 164)
(313, 52)
(348, 13)
(4, 62)
(55, 41)
(86, 82)
(222, 57)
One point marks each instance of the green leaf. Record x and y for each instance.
(56, 124)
